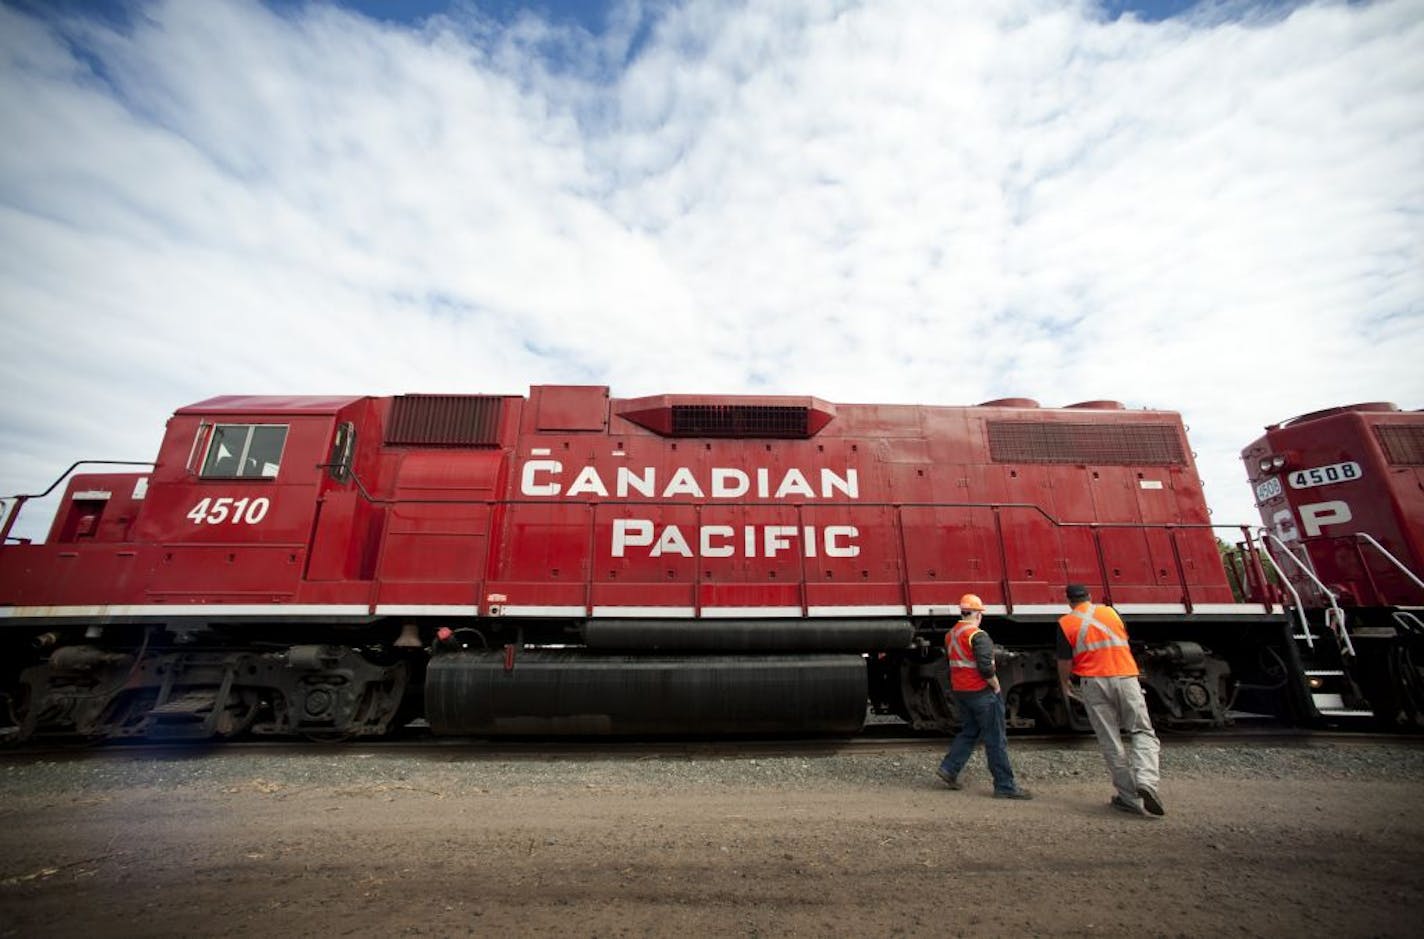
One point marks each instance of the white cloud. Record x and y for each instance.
(895, 201)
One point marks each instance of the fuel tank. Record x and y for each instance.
(557, 692)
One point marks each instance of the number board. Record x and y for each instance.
(1324, 475)
(1268, 489)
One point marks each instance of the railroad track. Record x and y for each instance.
(876, 739)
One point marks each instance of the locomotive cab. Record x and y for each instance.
(175, 603)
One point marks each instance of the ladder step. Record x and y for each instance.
(191, 705)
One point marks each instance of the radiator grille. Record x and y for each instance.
(1403, 443)
(739, 420)
(444, 421)
(1128, 444)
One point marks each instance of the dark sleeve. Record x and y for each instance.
(983, 648)
(1065, 651)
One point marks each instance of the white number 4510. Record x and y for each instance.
(233, 511)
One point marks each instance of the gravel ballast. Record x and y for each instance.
(1319, 837)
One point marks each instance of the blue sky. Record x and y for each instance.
(1215, 208)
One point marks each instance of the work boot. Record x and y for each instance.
(1150, 802)
(949, 778)
(1013, 794)
(1122, 805)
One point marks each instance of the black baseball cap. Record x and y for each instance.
(1077, 592)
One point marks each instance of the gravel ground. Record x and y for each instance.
(460, 769)
(458, 840)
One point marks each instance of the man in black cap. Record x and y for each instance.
(1092, 644)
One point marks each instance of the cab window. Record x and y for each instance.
(246, 451)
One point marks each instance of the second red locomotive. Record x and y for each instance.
(1341, 496)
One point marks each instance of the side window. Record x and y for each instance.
(246, 451)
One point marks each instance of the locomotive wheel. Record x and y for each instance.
(914, 687)
(16, 709)
(1407, 680)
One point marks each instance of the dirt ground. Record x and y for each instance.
(449, 849)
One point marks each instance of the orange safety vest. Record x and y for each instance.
(963, 673)
(1099, 641)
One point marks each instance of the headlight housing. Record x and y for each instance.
(1272, 464)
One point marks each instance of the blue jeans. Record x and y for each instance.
(982, 714)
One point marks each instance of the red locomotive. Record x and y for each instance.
(570, 563)
(1341, 493)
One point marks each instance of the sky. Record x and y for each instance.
(1215, 208)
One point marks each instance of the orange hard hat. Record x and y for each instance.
(971, 601)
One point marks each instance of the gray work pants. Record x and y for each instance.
(1115, 706)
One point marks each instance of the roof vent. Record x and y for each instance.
(444, 421)
(1099, 406)
(1085, 444)
(1008, 403)
(1403, 443)
(742, 417)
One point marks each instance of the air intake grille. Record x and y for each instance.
(1403, 443)
(739, 420)
(1130, 444)
(444, 421)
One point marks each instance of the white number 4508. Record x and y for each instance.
(233, 511)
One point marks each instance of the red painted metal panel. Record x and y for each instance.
(98, 507)
(429, 593)
(615, 593)
(435, 543)
(63, 574)
(333, 555)
(544, 542)
(569, 407)
(437, 528)
(235, 573)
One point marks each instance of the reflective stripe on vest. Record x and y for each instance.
(1099, 649)
(963, 671)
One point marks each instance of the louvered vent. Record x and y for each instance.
(738, 420)
(1403, 443)
(444, 421)
(745, 416)
(1128, 444)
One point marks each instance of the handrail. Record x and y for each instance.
(1181, 571)
(21, 499)
(1298, 606)
(1409, 621)
(1394, 560)
(1253, 570)
(1338, 626)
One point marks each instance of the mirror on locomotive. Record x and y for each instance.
(343, 449)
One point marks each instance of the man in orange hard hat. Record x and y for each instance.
(975, 685)
(1092, 644)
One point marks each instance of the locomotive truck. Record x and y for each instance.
(564, 562)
